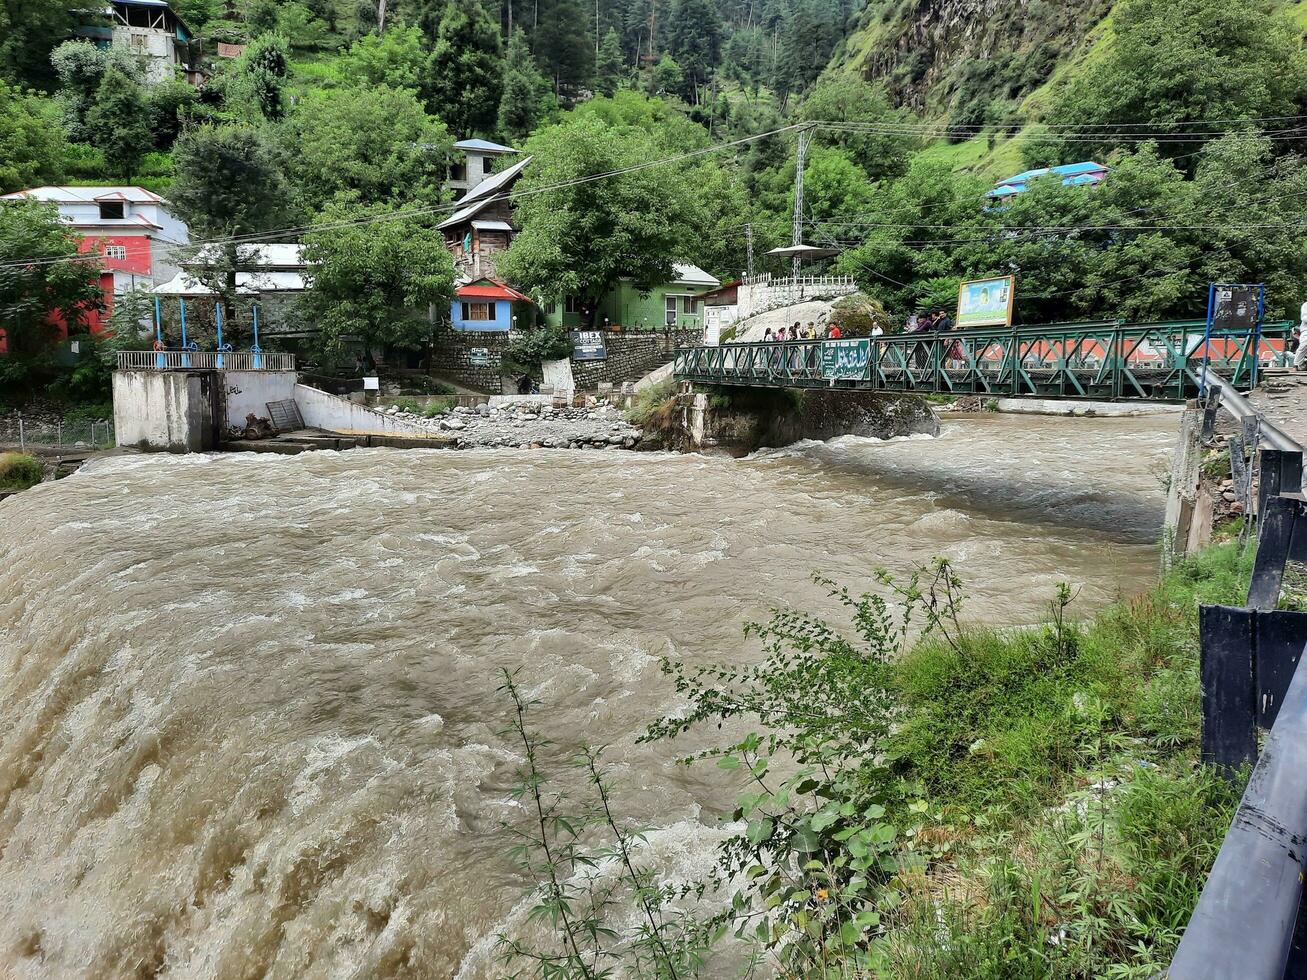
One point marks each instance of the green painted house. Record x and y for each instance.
(678, 303)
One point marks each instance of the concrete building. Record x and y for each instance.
(129, 228)
(488, 305)
(152, 30)
(479, 160)
(676, 304)
(273, 274)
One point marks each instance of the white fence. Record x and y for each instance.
(181, 360)
(760, 293)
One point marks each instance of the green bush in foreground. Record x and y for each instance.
(18, 472)
(988, 803)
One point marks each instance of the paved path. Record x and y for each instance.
(1282, 398)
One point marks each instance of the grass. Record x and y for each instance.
(1062, 766)
(19, 471)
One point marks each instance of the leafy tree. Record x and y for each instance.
(258, 81)
(524, 102)
(228, 182)
(395, 59)
(31, 293)
(667, 76)
(846, 98)
(375, 280)
(33, 149)
(80, 67)
(261, 16)
(169, 104)
(297, 23)
(609, 64)
(467, 69)
(29, 32)
(694, 39)
(198, 13)
(582, 238)
(119, 122)
(1175, 61)
(366, 145)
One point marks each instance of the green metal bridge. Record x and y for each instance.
(1103, 361)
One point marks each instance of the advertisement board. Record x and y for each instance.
(588, 345)
(1235, 307)
(986, 302)
(845, 360)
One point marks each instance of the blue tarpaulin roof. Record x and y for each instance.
(1072, 174)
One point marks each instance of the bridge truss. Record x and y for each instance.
(1107, 361)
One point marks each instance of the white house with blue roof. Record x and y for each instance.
(1087, 173)
(480, 161)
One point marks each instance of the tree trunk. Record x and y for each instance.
(381, 17)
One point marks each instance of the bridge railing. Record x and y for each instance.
(1249, 921)
(183, 360)
(1077, 360)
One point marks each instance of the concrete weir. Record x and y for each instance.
(191, 410)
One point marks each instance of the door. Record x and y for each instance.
(669, 314)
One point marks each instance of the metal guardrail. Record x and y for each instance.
(1104, 361)
(1248, 923)
(182, 360)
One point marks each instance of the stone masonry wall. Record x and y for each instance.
(451, 356)
(633, 355)
(630, 357)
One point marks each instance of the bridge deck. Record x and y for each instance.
(1099, 361)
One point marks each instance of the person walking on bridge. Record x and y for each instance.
(1300, 356)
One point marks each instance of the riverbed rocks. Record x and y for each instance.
(532, 426)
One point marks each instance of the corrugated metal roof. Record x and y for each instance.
(692, 275)
(479, 196)
(64, 194)
(490, 289)
(247, 283)
(485, 146)
(271, 254)
(492, 226)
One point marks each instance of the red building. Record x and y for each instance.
(129, 228)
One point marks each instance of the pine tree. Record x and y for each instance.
(467, 69)
(119, 123)
(524, 88)
(609, 64)
(694, 38)
(564, 50)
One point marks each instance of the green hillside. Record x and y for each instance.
(963, 67)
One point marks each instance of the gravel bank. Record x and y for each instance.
(531, 426)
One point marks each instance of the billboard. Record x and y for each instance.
(1235, 307)
(986, 302)
(845, 360)
(588, 345)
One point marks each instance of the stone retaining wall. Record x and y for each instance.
(452, 357)
(631, 356)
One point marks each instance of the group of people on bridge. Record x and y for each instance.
(800, 332)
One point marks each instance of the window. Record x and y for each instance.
(112, 211)
(477, 311)
(550, 307)
(118, 252)
(487, 165)
(690, 306)
(455, 171)
(572, 304)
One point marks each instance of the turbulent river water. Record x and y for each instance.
(249, 722)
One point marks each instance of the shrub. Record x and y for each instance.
(18, 471)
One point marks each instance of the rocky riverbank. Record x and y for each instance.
(531, 426)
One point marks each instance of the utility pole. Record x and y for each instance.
(748, 243)
(804, 136)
